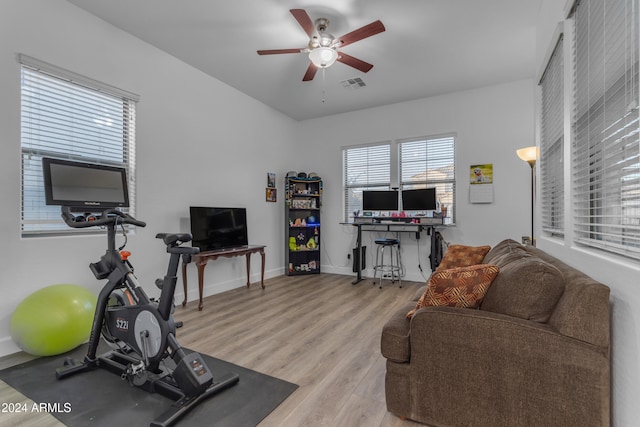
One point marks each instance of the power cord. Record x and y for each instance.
(420, 260)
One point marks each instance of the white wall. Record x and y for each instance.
(199, 142)
(490, 124)
(620, 274)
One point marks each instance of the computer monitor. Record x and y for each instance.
(380, 200)
(422, 199)
(84, 187)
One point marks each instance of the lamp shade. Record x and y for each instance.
(528, 154)
(323, 57)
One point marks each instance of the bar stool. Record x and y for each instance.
(391, 269)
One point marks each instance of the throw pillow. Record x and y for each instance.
(462, 256)
(457, 287)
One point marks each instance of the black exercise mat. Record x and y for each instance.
(100, 398)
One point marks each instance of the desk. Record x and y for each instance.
(202, 258)
(396, 227)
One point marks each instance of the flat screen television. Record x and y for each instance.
(218, 228)
(381, 200)
(84, 187)
(422, 199)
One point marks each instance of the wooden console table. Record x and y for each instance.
(201, 262)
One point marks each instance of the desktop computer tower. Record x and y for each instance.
(357, 258)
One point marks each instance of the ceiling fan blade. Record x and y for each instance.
(354, 62)
(303, 19)
(278, 51)
(362, 33)
(311, 72)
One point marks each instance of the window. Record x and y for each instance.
(68, 116)
(365, 168)
(605, 147)
(552, 144)
(430, 162)
(420, 163)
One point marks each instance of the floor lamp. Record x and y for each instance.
(530, 155)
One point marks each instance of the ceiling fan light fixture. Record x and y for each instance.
(323, 57)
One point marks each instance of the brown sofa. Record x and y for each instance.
(536, 352)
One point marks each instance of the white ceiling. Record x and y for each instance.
(430, 47)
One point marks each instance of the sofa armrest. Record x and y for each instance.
(394, 343)
(502, 367)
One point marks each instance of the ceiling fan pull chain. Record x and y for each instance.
(323, 85)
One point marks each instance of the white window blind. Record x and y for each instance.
(67, 116)
(606, 148)
(552, 144)
(365, 168)
(429, 163)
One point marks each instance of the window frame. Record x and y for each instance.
(374, 178)
(439, 170)
(605, 150)
(394, 177)
(552, 142)
(69, 116)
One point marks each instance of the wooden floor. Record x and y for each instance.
(317, 331)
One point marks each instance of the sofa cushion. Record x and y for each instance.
(527, 287)
(515, 253)
(504, 247)
(457, 287)
(462, 256)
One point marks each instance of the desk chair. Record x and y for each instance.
(393, 268)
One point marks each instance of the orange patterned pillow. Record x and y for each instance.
(463, 256)
(457, 287)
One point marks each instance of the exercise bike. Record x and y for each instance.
(141, 331)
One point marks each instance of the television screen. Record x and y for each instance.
(382, 200)
(84, 186)
(423, 199)
(218, 228)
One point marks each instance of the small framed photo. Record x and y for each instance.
(271, 194)
(271, 179)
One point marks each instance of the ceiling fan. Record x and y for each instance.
(323, 46)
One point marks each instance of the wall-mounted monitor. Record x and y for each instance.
(218, 228)
(86, 187)
(422, 199)
(381, 200)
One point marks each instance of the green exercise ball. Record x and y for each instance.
(53, 320)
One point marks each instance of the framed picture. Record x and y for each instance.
(271, 194)
(271, 179)
(481, 174)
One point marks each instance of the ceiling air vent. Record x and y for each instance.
(355, 83)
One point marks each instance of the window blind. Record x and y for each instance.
(606, 149)
(365, 168)
(428, 163)
(552, 143)
(66, 116)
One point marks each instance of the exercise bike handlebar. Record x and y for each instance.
(109, 216)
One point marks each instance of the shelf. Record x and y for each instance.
(303, 272)
(305, 180)
(303, 201)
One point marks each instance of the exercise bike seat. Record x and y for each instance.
(171, 239)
